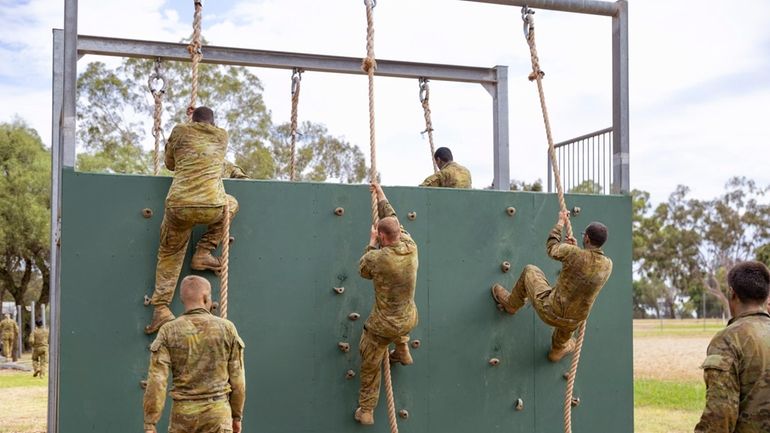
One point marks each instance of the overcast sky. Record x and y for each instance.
(700, 77)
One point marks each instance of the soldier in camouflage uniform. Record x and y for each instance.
(9, 332)
(232, 171)
(451, 174)
(39, 342)
(737, 365)
(563, 306)
(392, 267)
(196, 153)
(205, 357)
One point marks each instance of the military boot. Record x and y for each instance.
(160, 315)
(500, 295)
(365, 417)
(202, 260)
(401, 354)
(557, 355)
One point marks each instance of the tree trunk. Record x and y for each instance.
(45, 271)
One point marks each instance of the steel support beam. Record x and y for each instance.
(502, 161)
(621, 181)
(591, 7)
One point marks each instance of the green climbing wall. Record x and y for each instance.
(290, 251)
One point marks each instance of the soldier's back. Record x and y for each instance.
(584, 273)
(456, 176)
(40, 336)
(199, 154)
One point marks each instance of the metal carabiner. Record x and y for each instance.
(296, 77)
(526, 16)
(424, 89)
(157, 82)
(373, 2)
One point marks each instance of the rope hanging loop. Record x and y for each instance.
(424, 89)
(196, 55)
(425, 102)
(296, 80)
(156, 83)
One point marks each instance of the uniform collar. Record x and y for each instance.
(749, 314)
(197, 311)
(447, 164)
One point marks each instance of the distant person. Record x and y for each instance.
(204, 355)
(39, 342)
(9, 332)
(584, 271)
(737, 365)
(195, 152)
(450, 174)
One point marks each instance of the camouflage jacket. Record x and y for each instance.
(232, 171)
(393, 271)
(737, 375)
(205, 356)
(195, 152)
(39, 338)
(8, 328)
(453, 175)
(583, 274)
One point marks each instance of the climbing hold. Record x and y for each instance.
(494, 362)
(350, 374)
(575, 401)
(232, 239)
(146, 300)
(505, 266)
(511, 211)
(344, 347)
(575, 211)
(412, 216)
(416, 344)
(214, 305)
(519, 404)
(143, 384)
(339, 290)
(353, 316)
(147, 212)
(566, 375)
(339, 211)
(403, 413)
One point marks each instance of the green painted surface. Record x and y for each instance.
(290, 251)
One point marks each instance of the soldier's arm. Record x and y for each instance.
(157, 381)
(366, 264)
(432, 180)
(554, 246)
(173, 140)
(722, 395)
(237, 377)
(31, 338)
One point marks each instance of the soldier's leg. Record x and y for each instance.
(531, 283)
(35, 363)
(372, 349)
(203, 259)
(216, 417)
(561, 344)
(43, 361)
(401, 353)
(7, 346)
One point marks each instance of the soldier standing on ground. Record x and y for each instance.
(451, 174)
(583, 274)
(195, 152)
(39, 342)
(205, 357)
(737, 365)
(9, 332)
(390, 261)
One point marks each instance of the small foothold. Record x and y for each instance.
(353, 316)
(403, 413)
(575, 401)
(519, 404)
(575, 211)
(143, 384)
(494, 362)
(350, 374)
(214, 305)
(232, 239)
(511, 211)
(566, 375)
(339, 290)
(416, 344)
(147, 212)
(344, 347)
(339, 211)
(146, 300)
(505, 266)
(412, 216)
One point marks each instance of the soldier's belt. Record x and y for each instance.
(198, 400)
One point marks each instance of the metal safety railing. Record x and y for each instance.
(585, 163)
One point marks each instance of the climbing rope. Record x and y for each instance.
(425, 101)
(225, 260)
(157, 85)
(537, 74)
(196, 54)
(296, 81)
(369, 65)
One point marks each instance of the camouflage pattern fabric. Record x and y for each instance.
(452, 175)
(393, 271)
(232, 171)
(737, 376)
(205, 357)
(9, 331)
(39, 342)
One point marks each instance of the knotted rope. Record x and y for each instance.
(194, 48)
(157, 85)
(537, 75)
(425, 101)
(296, 80)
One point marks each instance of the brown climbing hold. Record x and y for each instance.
(339, 211)
(511, 211)
(575, 401)
(231, 240)
(339, 290)
(353, 316)
(344, 347)
(519, 404)
(143, 384)
(566, 375)
(214, 305)
(146, 300)
(415, 344)
(147, 212)
(494, 362)
(403, 413)
(412, 216)
(350, 374)
(505, 266)
(575, 211)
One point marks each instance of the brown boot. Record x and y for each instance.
(401, 354)
(500, 295)
(202, 260)
(557, 355)
(160, 315)
(365, 417)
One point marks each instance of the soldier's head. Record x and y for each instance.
(195, 292)
(389, 230)
(595, 235)
(443, 156)
(6, 316)
(203, 115)
(749, 284)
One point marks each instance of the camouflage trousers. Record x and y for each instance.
(201, 416)
(175, 230)
(373, 349)
(40, 360)
(8, 347)
(533, 285)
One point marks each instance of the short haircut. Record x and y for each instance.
(203, 114)
(750, 281)
(389, 227)
(597, 233)
(444, 154)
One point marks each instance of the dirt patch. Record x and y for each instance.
(670, 357)
(29, 405)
